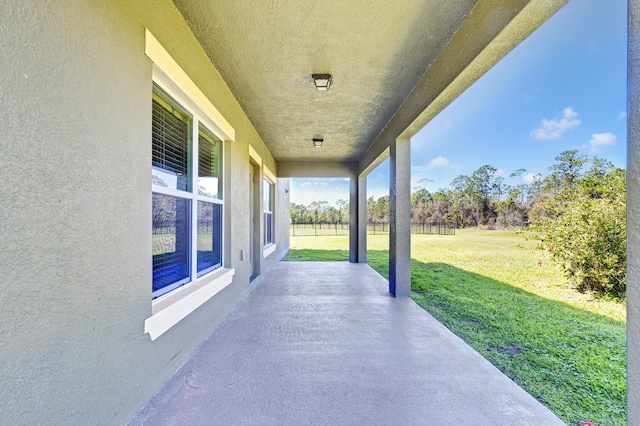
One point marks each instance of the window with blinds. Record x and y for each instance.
(209, 211)
(180, 252)
(170, 147)
(209, 164)
(267, 207)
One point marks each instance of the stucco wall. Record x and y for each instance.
(282, 216)
(75, 208)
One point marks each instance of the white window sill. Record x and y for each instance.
(268, 250)
(170, 309)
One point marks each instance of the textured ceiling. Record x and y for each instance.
(376, 51)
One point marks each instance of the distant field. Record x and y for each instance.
(506, 299)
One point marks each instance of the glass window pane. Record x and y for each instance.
(268, 228)
(209, 236)
(209, 164)
(170, 242)
(170, 145)
(266, 194)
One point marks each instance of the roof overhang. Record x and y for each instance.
(394, 66)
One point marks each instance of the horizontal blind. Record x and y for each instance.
(170, 148)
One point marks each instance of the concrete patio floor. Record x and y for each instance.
(324, 343)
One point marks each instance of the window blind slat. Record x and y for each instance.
(170, 142)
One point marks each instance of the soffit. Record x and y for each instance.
(376, 51)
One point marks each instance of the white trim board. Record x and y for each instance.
(159, 323)
(269, 174)
(268, 250)
(174, 80)
(253, 154)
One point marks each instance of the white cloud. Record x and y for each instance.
(598, 140)
(529, 178)
(499, 173)
(554, 128)
(307, 190)
(622, 115)
(439, 162)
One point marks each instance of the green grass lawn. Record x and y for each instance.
(506, 299)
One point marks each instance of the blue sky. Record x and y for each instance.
(562, 88)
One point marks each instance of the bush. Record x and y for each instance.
(584, 230)
(589, 242)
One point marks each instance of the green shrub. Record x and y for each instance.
(584, 229)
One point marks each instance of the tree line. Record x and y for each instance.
(320, 212)
(578, 212)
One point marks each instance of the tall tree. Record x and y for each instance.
(341, 208)
(483, 184)
(522, 187)
(567, 169)
(381, 208)
(420, 201)
(371, 202)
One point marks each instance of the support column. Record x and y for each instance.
(353, 218)
(633, 215)
(400, 219)
(362, 218)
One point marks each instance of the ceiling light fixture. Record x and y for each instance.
(322, 81)
(317, 142)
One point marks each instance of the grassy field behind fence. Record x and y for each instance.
(506, 299)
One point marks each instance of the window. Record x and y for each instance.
(187, 196)
(187, 181)
(267, 208)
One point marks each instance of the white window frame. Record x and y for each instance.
(193, 196)
(269, 177)
(176, 304)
